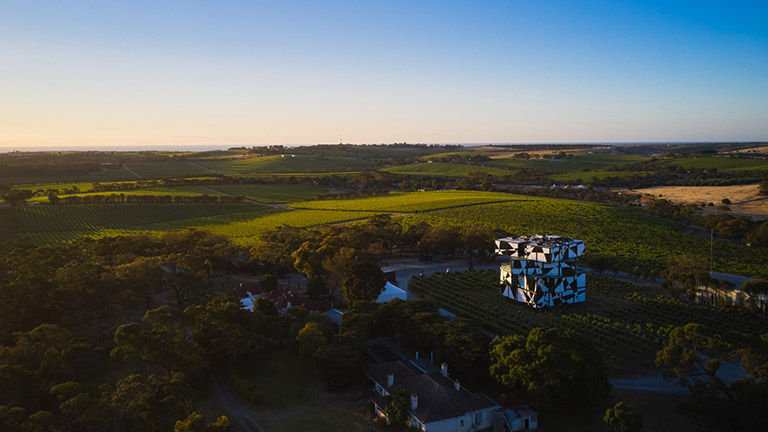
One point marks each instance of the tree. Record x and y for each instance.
(555, 367)
(622, 418)
(265, 306)
(339, 365)
(693, 356)
(310, 338)
(685, 274)
(196, 423)
(763, 187)
(364, 282)
(268, 283)
(16, 197)
(398, 406)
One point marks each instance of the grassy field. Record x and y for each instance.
(284, 164)
(443, 169)
(274, 193)
(410, 201)
(629, 237)
(574, 162)
(721, 163)
(293, 400)
(622, 326)
(165, 169)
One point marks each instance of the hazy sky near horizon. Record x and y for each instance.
(303, 72)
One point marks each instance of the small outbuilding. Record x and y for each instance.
(391, 292)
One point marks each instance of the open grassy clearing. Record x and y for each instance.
(628, 236)
(443, 169)
(165, 169)
(628, 329)
(745, 199)
(410, 201)
(284, 164)
(720, 163)
(292, 399)
(273, 193)
(574, 162)
(282, 381)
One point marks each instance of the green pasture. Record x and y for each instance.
(273, 193)
(410, 201)
(443, 169)
(720, 163)
(450, 154)
(286, 163)
(629, 237)
(570, 163)
(166, 169)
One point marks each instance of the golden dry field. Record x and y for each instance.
(745, 199)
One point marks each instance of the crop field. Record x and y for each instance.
(273, 193)
(172, 191)
(106, 175)
(455, 153)
(629, 237)
(165, 169)
(411, 201)
(720, 163)
(626, 322)
(46, 224)
(586, 176)
(246, 231)
(574, 162)
(284, 164)
(444, 169)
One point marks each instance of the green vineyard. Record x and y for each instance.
(627, 326)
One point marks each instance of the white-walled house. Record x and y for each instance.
(439, 403)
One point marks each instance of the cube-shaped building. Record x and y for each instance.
(541, 271)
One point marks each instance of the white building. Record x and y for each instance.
(441, 404)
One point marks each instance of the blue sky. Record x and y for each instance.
(302, 72)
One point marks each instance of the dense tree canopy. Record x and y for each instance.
(557, 369)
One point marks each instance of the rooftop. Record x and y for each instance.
(438, 398)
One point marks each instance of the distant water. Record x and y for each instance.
(209, 147)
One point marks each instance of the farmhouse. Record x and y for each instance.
(439, 403)
(540, 271)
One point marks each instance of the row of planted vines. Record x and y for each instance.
(627, 325)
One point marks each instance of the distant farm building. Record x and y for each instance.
(541, 271)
